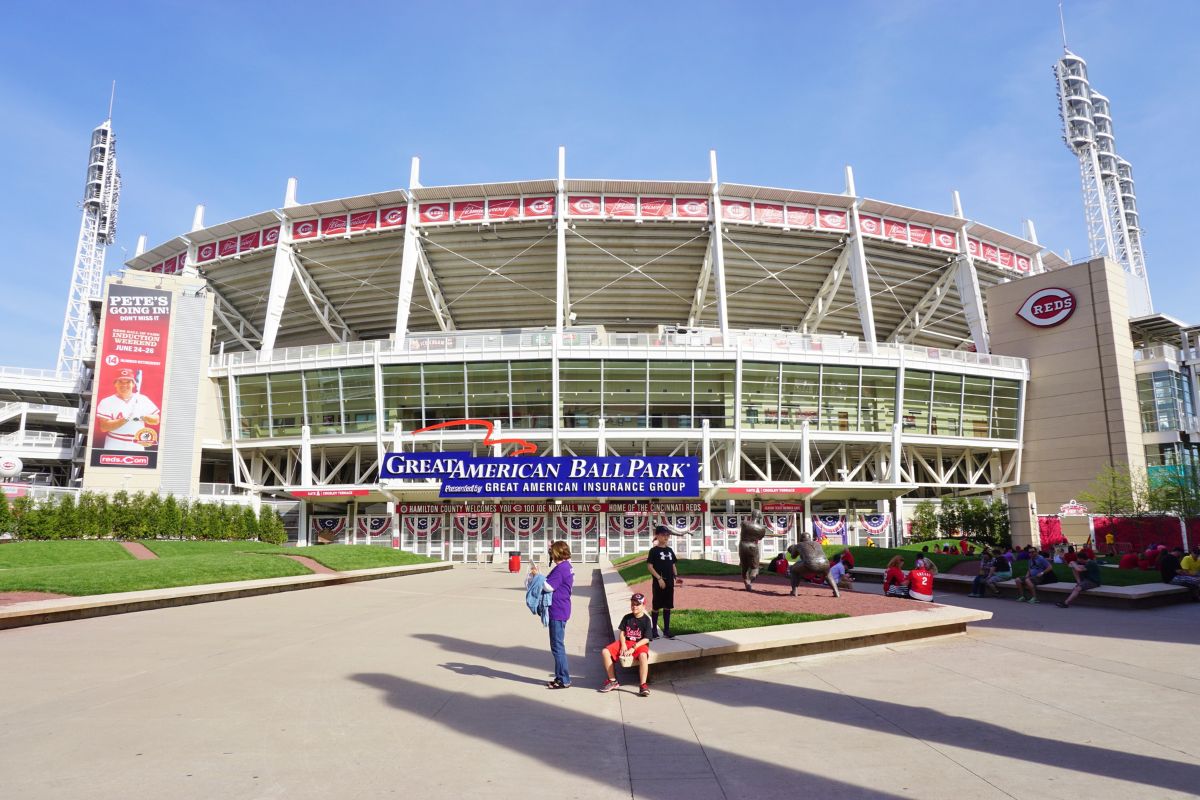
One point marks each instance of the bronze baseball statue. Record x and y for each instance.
(752, 532)
(810, 561)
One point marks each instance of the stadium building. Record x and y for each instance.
(827, 358)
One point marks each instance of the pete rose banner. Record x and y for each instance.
(464, 475)
(129, 383)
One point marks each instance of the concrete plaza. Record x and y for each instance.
(432, 686)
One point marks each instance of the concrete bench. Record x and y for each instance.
(1143, 595)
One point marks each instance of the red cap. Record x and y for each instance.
(124, 374)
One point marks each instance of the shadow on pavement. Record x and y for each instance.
(509, 721)
(964, 732)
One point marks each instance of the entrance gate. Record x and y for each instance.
(582, 533)
(422, 534)
(471, 537)
(375, 530)
(686, 533)
(628, 533)
(526, 534)
(781, 532)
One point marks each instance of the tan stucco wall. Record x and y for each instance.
(1081, 408)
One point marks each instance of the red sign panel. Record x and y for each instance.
(333, 226)
(656, 207)
(330, 492)
(206, 252)
(895, 229)
(270, 236)
(435, 212)
(991, 253)
(227, 247)
(508, 208)
(469, 210)
(304, 229)
(974, 248)
(768, 213)
(919, 234)
(363, 220)
(393, 217)
(946, 240)
(801, 217)
(538, 206)
(249, 241)
(735, 210)
(1006, 259)
(832, 220)
(1048, 307)
(585, 206)
(871, 226)
(620, 206)
(770, 489)
(1023, 263)
(691, 208)
(129, 380)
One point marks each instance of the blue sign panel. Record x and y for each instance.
(466, 476)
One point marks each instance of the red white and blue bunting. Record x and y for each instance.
(875, 524)
(576, 525)
(628, 525)
(729, 523)
(524, 525)
(374, 526)
(780, 524)
(472, 524)
(330, 526)
(681, 524)
(422, 525)
(828, 525)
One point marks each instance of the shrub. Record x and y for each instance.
(5, 514)
(270, 526)
(924, 522)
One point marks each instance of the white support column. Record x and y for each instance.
(805, 453)
(701, 289)
(717, 244)
(395, 529)
(705, 453)
(967, 281)
(805, 531)
(895, 475)
(408, 260)
(302, 525)
(601, 437)
(562, 305)
(858, 270)
(305, 456)
(556, 399)
(734, 459)
(1031, 235)
(497, 432)
(352, 521)
(380, 452)
(281, 281)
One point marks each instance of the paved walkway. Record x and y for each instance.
(431, 686)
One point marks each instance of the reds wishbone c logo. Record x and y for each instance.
(271, 236)
(305, 228)
(1046, 308)
(869, 225)
(945, 240)
(393, 216)
(540, 206)
(585, 205)
(693, 208)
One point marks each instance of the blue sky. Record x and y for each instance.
(219, 103)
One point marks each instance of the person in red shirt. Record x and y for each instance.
(1070, 555)
(895, 582)
(920, 583)
(962, 546)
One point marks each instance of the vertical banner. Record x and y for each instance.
(129, 382)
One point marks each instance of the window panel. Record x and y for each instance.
(947, 405)
(579, 392)
(976, 409)
(223, 405)
(287, 403)
(917, 386)
(801, 396)
(714, 398)
(1006, 401)
(323, 393)
(487, 391)
(879, 399)
(760, 395)
(671, 394)
(839, 398)
(625, 394)
(402, 396)
(358, 398)
(532, 394)
(444, 398)
(253, 413)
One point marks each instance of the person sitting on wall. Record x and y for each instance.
(895, 582)
(920, 581)
(1128, 561)
(1041, 572)
(962, 546)
(1110, 543)
(1025, 553)
(1171, 568)
(986, 567)
(1190, 564)
(632, 644)
(1001, 571)
(779, 564)
(1070, 556)
(1087, 577)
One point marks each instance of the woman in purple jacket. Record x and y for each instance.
(561, 579)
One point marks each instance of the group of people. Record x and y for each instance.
(550, 597)
(916, 585)
(1183, 570)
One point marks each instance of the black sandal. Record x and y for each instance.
(557, 684)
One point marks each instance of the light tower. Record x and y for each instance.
(1109, 201)
(97, 230)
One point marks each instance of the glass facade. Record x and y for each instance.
(627, 394)
(1165, 400)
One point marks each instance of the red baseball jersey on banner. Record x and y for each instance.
(620, 206)
(538, 206)
(895, 229)
(331, 226)
(468, 210)
(584, 206)
(393, 217)
(691, 208)
(363, 220)
(249, 241)
(304, 229)
(735, 210)
(656, 206)
(435, 212)
(768, 213)
(801, 217)
(507, 208)
(869, 225)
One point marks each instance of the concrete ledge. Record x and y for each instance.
(64, 609)
(1142, 595)
(704, 652)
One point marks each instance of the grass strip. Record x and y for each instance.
(635, 570)
(49, 554)
(691, 620)
(343, 557)
(133, 576)
(175, 548)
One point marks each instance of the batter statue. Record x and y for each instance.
(810, 562)
(752, 532)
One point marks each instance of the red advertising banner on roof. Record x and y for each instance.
(584, 206)
(270, 236)
(538, 206)
(130, 377)
(946, 240)
(304, 229)
(393, 217)
(801, 217)
(227, 247)
(691, 208)
(973, 248)
(656, 206)
(435, 212)
(333, 226)
(1006, 259)
(919, 234)
(1023, 263)
(896, 230)
(620, 206)
(206, 252)
(991, 253)
(832, 220)
(871, 226)
(768, 213)
(249, 241)
(363, 220)
(468, 210)
(735, 210)
(507, 208)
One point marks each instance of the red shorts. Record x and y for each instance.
(614, 650)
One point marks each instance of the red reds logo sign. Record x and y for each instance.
(1046, 308)
(208, 252)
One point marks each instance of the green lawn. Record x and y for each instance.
(687, 620)
(132, 576)
(880, 556)
(344, 557)
(172, 548)
(634, 569)
(46, 554)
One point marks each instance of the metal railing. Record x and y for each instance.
(1161, 352)
(35, 439)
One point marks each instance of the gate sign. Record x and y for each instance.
(1046, 308)
(463, 475)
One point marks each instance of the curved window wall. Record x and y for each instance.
(629, 393)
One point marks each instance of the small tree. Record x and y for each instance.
(270, 527)
(924, 522)
(193, 521)
(1175, 489)
(170, 519)
(66, 519)
(952, 517)
(5, 514)
(249, 523)
(1111, 493)
(120, 517)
